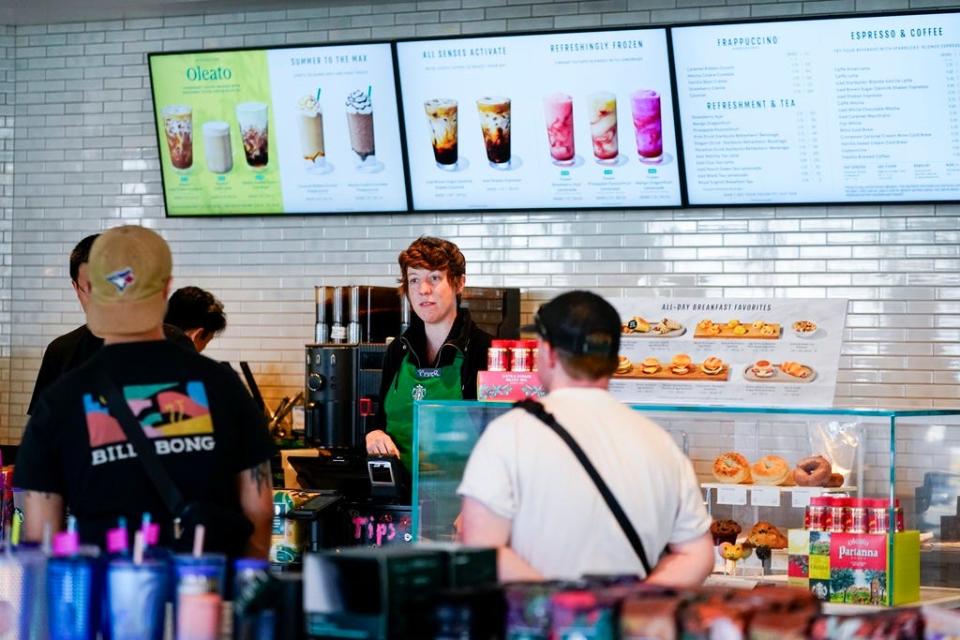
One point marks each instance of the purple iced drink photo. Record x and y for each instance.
(647, 124)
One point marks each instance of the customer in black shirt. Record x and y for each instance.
(202, 423)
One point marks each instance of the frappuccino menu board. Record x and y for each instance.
(296, 130)
(840, 110)
(547, 121)
(774, 353)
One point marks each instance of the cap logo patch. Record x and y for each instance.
(121, 279)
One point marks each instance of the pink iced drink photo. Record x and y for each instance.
(647, 124)
(558, 111)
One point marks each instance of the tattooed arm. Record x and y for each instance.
(40, 508)
(255, 487)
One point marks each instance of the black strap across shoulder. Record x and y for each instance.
(536, 409)
(146, 454)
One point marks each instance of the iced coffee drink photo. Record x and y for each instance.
(216, 146)
(442, 116)
(253, 119)
(647, 125)
(360, 124)
(603, 126)
(310, 121)
(495, 126)
(178, 124)
(558, 112)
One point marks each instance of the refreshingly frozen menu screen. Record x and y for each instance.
(841, 110)
(298, 130)
(547, 121)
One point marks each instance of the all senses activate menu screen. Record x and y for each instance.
(546, 121)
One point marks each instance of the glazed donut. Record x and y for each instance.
(770, 470)
(732, 468)
(812, 472)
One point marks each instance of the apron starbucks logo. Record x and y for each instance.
(419, 392)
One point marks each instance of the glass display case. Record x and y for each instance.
(910, 458)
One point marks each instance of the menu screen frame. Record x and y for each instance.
(684, 138)
(398, 187)
(672, 114)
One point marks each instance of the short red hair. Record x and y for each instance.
(434, 254)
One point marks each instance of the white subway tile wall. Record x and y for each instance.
(78, 154)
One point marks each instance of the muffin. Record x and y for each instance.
(724, 531)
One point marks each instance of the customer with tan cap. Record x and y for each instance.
(197, 418)
(67, 352)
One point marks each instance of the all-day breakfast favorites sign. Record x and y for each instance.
(841, 110)
(729, 352)
(296, 130)
(550, 121)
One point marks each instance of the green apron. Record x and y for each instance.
(413, 384)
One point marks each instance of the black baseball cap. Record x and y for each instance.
(580, 323)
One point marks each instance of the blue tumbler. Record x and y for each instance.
(71, 597)
(136, 599)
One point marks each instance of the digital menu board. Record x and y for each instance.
(279, 131)
(830, 111)
(562, 120)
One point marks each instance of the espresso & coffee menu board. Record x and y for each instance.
(578, 120)
(274, 131)
(821, 111)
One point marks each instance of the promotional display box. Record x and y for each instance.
(854, 568)
(508, 386)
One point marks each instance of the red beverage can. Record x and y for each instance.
(498, 355)
(858, 516)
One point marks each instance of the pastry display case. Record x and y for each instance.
(889, 469)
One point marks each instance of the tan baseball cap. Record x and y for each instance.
(129, 268)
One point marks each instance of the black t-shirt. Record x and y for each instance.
(64, 354)
(71, 350)
(199, 416)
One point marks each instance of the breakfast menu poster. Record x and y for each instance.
(845, 110)
(549, 121)
(296, 130)
(773, 353)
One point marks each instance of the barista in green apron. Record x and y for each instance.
(437, 357)
(411, 385)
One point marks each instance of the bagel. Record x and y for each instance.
(712, 366)
(772, 470)
(813, 472)
(732, 468)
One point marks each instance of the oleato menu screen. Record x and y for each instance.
(547, 121)
(298, 130)
(847, 110)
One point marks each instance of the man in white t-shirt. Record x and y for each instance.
(525, 492)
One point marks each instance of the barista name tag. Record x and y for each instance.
(428, 373)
